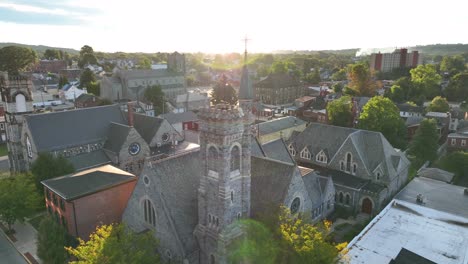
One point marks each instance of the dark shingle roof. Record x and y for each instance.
(83, 98)
(279, 124)
(270, 183)
(118, 133)
(277, 150)
(146, 126)
(313, 187)
(436, 174)
(408, 257)
(57, 130)
(174, 118)
(256, 150)
(76, 185)
(89, 160)
(342, 178)
(278, 80)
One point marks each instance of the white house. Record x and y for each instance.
(71, 92)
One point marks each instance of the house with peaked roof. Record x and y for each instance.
(365, 168)
(278, 89)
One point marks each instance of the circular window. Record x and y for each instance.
(165, 137)
(134, 148)
(295, 205)
(146, 180)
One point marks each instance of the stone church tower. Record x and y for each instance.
(224, 192)
(16, 94)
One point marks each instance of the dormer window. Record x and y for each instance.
(378, 175)
(305, 154)
(292, 151)
(321, 157)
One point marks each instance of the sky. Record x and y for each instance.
(218, 26)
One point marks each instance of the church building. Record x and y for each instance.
(190, 201)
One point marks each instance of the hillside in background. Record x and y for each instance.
(39, 48)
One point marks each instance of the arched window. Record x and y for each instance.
(378, 175)
(150, 215)
(291, 149)
(341, 197)
(232, 196)
(235, 158)
(305, 154)
(348, 199)
(211, 159)
(336, 197)
(295, 205)
(354, 168)
(349, 159)
(20, 103)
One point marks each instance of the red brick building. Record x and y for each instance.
(54, 66)
(458, 141)
(87, 199)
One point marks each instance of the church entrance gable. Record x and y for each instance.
(366, 206)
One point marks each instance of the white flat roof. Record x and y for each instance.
(438, 236)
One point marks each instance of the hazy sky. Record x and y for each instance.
(219, 26)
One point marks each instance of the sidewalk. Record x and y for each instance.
(24, 239)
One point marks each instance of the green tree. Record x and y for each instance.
(52, 54)
(18, 198)
(381, 114)
(457, 89)
(338, 87)
(397, 94)
(86, 78)
(313, 77)
(86, 56)
(340, 112)
(94, 88)
(425, 143)
(427, 80)
(456, 162)
(144, 63)
(52, 239)
(14, 59)
(47, 166)
(155, 95)
(438, 104)
(453, 65)
(223, 92)
(339, 75)
(279, 67)
(62, 81)
(360, 80)
(116, 244)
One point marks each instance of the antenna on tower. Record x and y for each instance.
(245, 53)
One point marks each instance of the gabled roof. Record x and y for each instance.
(58, 130)
(278, 80)
(90, 181)
(117, 135)
(277, 150)
(279, 124)
(84, 97)
(147, 126)
(436, 174)
(89, 160)
(174, 118)
(313, 187)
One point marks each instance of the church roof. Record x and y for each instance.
(313, 187)
(89, 160)
(245, 89)
(279, 124)
(270, 180)
(146, 126)
(118, 133)
(277, 150)
(87, 182)
(58, 130)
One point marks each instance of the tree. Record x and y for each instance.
(62, 81)
(144, 63)
(223, 92)
(279, 67)
(427, 80)
(155, 95)
(456, 162)
(339, 75)
(424, 145)
(86, 56)
(52, 54)
(457, 89)
(52, 239)
(94, 88)
(340, 112)
(14, 59)
(360, 80)
(313, 77)
(47, 166)
(86, 78)
(453, 65)
(397, 94)
(18, 198)
(338, 87)
(438, 104)
(381, 114)
(116, 244)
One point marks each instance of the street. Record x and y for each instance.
(8, 254)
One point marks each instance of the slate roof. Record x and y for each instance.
(174, 118)
(83, 98)
(146, 126)
(279, 124)
(117, 135)
(256, 148)
(408, 257)
(436, 174)
(313, 187)
(89, 160)
(277, 150)
(413, 120)
(90, 181)
(270, 181)
(278, 80)
(405, 107)
(344, 179)
(58, 130)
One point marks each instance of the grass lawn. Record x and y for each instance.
(37, 220)
(3, 150)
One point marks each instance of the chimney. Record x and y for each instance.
(130, 113)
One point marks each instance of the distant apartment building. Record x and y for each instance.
(400, 58)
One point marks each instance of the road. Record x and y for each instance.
(8, 253)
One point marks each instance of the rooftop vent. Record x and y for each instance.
(420, 199)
